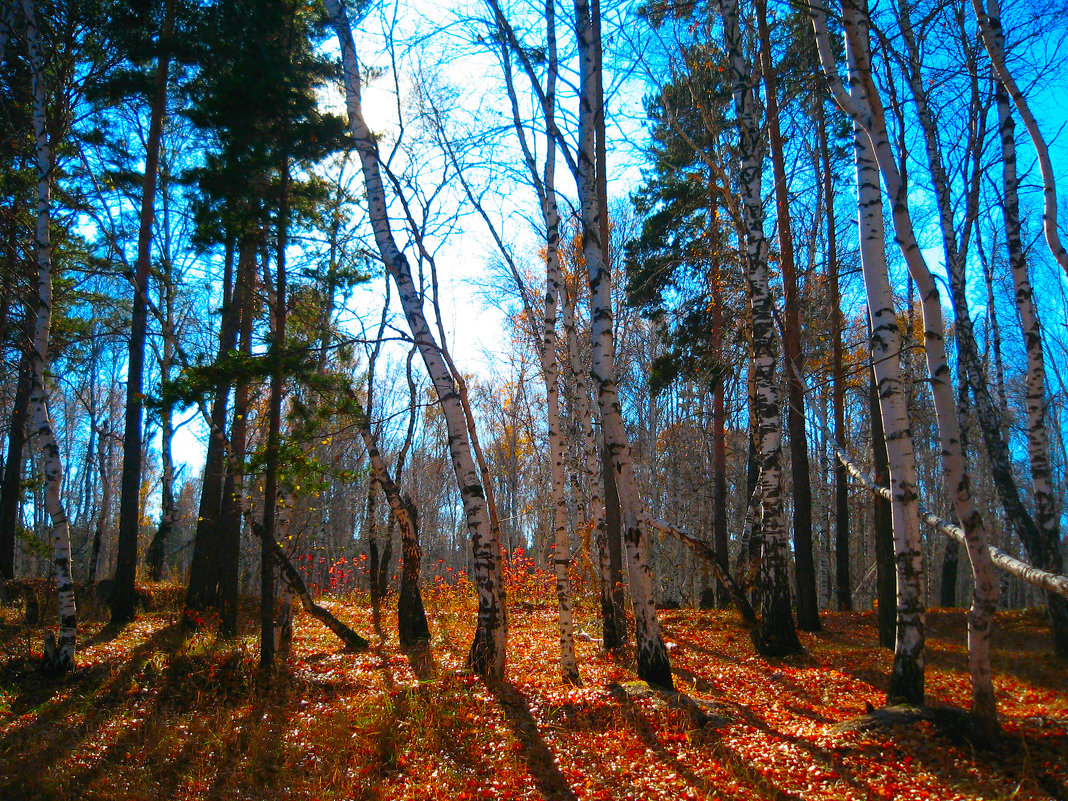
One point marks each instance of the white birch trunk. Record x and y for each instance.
(866, 110)
(993, 37)
(775, 635)
(653, 664)
(985, 590)
(487, 655)
(59, 656)
(545, 186)
(551, 372)
(1047, 514)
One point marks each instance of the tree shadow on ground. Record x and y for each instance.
(540, 760)
(70, 709)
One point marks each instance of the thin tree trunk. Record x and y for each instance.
(720, 534)
(58, 655)
(775, 635)
(124, 594)
(154, 558)
(808, 617)
(843, 586)
(273, 458)
(653, 663)
(993, 37)
(487, 654)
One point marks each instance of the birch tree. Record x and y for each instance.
(653, 664)
(865, 107)
(487, 654)
(59, 654)
(775, 634)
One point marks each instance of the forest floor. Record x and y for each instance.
(154, 712)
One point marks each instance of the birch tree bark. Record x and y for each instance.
(487, 655)
(58, 654)
(1038, 447)
(993, 36)
(775, 635)
(653, 664)
(864, 105)
(808, 617)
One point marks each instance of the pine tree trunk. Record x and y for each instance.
(124, 593)
(775, 634)
(487, 654)
(11, 492)
(202, 591)
(843, 586)
(59, 655)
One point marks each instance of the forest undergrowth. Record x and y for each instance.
(156, 711)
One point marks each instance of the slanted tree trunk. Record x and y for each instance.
(653, 663)
(352, 640)
(58, 654)
(487, 655)
(775, 635)
(1038, 447)
(993, 36)
(124, 594)
(865, 107)
(808, 617)
(412, 624)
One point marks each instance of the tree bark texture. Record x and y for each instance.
(808, 617)
(487, 655)
(776, 634)
(59, 654)
(653, 664)
(124, 593)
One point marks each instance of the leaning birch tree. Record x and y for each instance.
(487, 654)
(865, 108)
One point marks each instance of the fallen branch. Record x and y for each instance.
(705, 551)
(1010, 564)
(352, 640)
